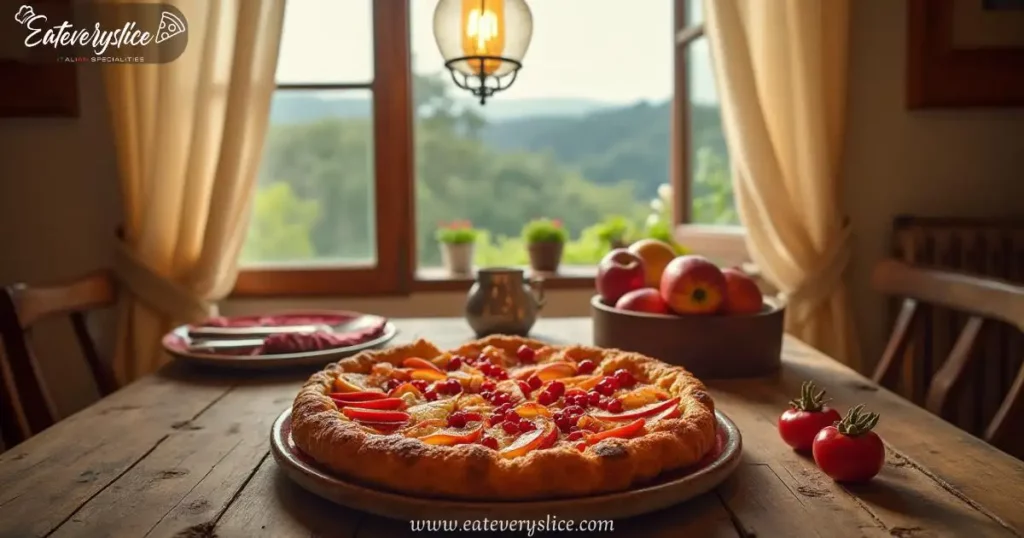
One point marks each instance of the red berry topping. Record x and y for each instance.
(546, 398)
(625, 378)
(573, 410)
(581, 446)
(526, 426)
(487, 395)
(488, 385)
(391, 384)
(575, 436)
(594, 397)
(457, 420)
(534, 382)
(485, 367)
(607, 386)
(564, 423)
(526, 354)
(575, 392)
(585, 366)
(430, 394)
(472, 417)
(511, 416)
(502, 398)
(503, 408)
(497, 418)
(510, 428)
(603, 404)
(499, 373)
(557, 389)
(614, 406)
(452, 386)
(489, 442)
(524, 386)
(455, 363)
(419, 384)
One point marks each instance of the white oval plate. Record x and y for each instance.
(306, 358)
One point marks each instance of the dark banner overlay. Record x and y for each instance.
(67, 32)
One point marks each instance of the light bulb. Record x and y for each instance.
(483, 32)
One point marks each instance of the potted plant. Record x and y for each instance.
(615, 232)
(545, 239)
(457, 239)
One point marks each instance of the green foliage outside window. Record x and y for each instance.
(599, 174)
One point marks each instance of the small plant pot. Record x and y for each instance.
(457, 258)
(545, 256)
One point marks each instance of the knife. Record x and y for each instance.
(201, 333)
(214, 346)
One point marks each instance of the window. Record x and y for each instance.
(588, 134)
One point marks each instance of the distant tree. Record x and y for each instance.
(713, 197)
(316, 196)
(280, 226)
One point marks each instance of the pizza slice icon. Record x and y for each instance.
(170, 26)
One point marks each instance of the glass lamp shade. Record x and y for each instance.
(483, 38)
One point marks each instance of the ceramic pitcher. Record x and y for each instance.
(502, 302)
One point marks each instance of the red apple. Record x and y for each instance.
(693, 285)
(742, 296)
(643, 300)
(619, 273)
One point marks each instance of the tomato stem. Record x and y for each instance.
(809, 399)
(857, 422)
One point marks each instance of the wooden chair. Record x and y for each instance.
(25, 405)
(984, 303)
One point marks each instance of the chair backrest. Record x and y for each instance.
(983, 301)
(25, 406)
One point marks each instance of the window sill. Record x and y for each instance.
(725, 245)
(340, 281)
(434, 279)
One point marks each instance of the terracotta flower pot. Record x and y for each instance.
(545, 256)
(457, 258)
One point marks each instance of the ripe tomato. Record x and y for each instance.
(850, 451)
(806, 417)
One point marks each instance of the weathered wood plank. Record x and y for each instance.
(838, 510)
(47, 478)
(273, 506)
(974, 469)
(706, 516)
(122, 466)
(777, 488)
(193, 475)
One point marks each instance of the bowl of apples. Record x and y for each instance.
(686, 310)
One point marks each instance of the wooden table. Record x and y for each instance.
(185, 453)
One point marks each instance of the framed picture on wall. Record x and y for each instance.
(965, 53)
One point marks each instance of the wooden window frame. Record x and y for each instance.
(725, 244)
(395, 271)
(391, 274)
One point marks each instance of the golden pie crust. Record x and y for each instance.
(401, 462)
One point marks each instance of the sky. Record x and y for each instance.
(616, 51)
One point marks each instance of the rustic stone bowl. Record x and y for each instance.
(710, 346)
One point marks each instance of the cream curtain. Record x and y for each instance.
(780, 67)
(189, 134)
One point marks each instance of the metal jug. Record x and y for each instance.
(502, 302)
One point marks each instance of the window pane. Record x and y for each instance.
(326, 41)
(694, 12)
(581, 136)
(711, 186)
(314, 200)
